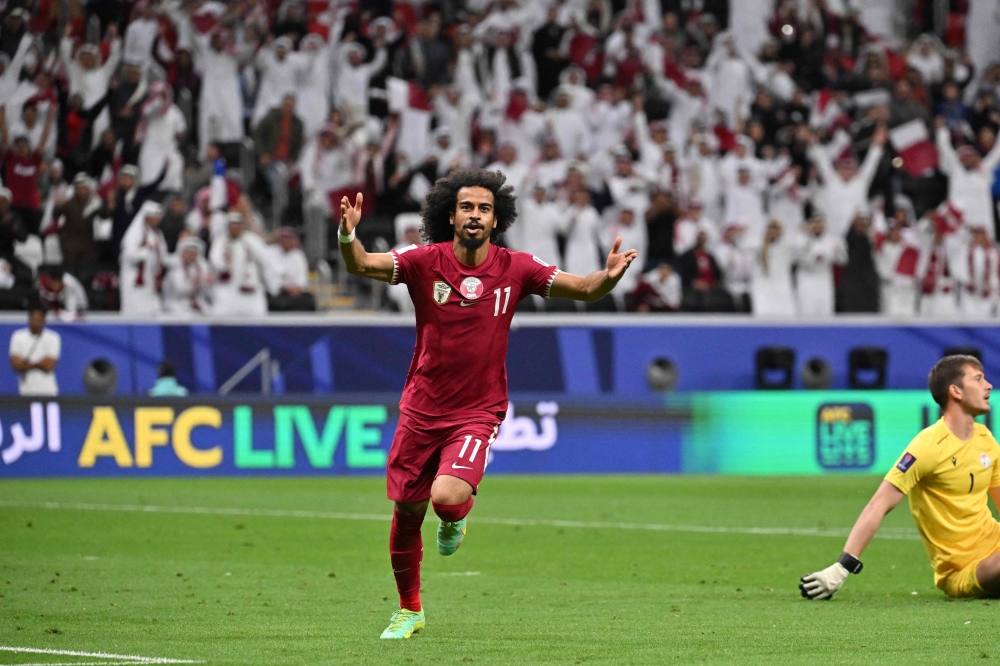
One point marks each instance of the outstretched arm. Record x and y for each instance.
(378, 266)
(947, 159)
(885, 499)
(598, 284)
(870, 164)
(47, 130)
(823, 584)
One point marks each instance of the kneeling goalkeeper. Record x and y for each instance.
(947, 470)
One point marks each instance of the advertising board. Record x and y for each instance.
(799, 432)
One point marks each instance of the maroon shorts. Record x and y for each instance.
(423, 450)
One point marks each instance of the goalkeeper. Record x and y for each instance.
(947, 470)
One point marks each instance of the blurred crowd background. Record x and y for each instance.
(780, 158)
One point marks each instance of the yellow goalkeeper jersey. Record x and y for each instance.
(947, 481)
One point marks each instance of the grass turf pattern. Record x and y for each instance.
(277, 589)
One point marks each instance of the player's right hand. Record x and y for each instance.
(350, 215)
(823, 584)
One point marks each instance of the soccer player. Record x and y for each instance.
(465, 290)
(947, 470)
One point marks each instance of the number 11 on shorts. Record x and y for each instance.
(475, 449)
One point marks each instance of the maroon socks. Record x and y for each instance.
(451, 513)
(406, 549)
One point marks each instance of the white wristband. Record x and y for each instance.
(346, 240)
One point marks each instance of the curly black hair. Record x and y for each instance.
(442, 200)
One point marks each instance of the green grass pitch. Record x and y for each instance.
(253, 588)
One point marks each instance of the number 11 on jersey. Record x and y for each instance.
(506, 300)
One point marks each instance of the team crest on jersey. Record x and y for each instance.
(470, 288)
(985, 460)
(441, 292)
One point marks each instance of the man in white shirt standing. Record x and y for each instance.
(34, 352)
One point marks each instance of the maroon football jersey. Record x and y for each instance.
(463, 321)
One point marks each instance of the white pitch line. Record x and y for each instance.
(120, 658)
(904, 534)
(87, 663)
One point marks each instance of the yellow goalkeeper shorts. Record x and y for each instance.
(963, 584)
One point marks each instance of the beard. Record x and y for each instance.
(470, 243)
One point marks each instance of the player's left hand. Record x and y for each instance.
(619, 261)
(823, 584)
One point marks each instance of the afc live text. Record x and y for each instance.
(197, 436)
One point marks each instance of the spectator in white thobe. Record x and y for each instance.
(771, 291)
(970, 178)
(281, 70)
(628, 225)
(690, 105)
(732, 83)
(312, 87)
(693, 221)
(700, 179)
(220, 106)
(979, 277)
(325, 166)
(897, 259)
(745, 203)
(454, 111)
(187, 287)
(581, 224)
(845, 187)
(160, 130)
(786, 198)
(817, 252)
(608, 117)
(568, 126)
(239, 258)
(353, 77)
(140, 35)
(653, 139)
(938, 286)
(737, 264)
(540, 220)
(513, 169)
(143, 252)
(629, 186)
(87, 76)
(446, 152)
(551, 167)
(517, 123)
(288, 290)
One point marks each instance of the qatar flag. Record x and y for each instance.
(913, 143)
(410, 101)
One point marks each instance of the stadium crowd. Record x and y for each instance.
(776, 158)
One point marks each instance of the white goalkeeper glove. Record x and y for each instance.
(823, 584)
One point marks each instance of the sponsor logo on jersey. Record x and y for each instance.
(845, 436)
(441, 292)
(984, 459)
(906, 462)
(539, 261)
(471, 288)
